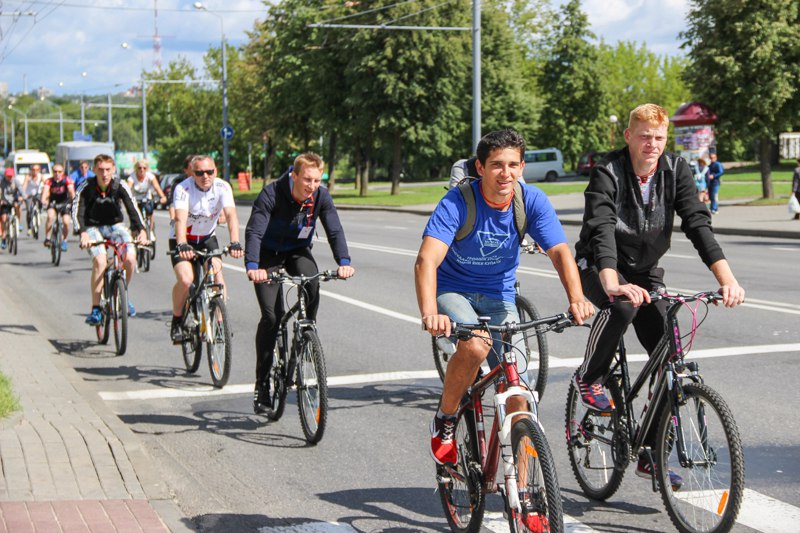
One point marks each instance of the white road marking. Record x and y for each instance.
(679, 256)
(783, 249)
(766, 514)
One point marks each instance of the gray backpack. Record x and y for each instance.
(518, 205)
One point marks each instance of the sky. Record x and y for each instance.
(76, 46)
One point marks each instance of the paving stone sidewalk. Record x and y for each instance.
(68, 464)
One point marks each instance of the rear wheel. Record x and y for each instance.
(277, 384)
(537, 483)
(312, 387)
(594, 444)
(35, 221)
(218, 346)
(534, 344)
(713, 468)
(461, 488)
(119, 312)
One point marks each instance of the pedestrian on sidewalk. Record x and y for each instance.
(715, 172)
(796, 186)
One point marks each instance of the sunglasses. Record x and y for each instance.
(199, 173)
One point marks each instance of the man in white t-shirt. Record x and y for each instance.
(198, 204)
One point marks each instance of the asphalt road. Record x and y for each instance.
(233, 471)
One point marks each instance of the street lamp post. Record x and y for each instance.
(25, 116)
(225, 127)
(613, 120)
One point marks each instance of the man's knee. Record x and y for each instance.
(475, 350)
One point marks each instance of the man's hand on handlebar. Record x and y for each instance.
(345, 271)
(185, 251)
(732, 295)
(235, 250)
(141, 238)
(581, 311)
(258, 275)
(85, 240)
(437, 324)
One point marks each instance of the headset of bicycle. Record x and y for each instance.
(461, 279)
(631, 202)
(279, 235)
(97, 215)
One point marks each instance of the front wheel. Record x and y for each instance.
(55, 244)
(461, 488)
(191, 347)
(119, 312)
(595, 445)
(13, 245)
(712, 469)
(534, 345)
(218, 346)
(537, 483)
(35, 222)
(312, 387)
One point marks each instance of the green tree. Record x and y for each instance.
(575, 113)
(745, 63)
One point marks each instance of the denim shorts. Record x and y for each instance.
(118, 232)
(466, 307)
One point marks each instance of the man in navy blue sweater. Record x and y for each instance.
(279, 235)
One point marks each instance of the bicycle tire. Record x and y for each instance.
(56, 244)
(711, 495)
(277, 382)
(119, 312)
(537, 483)
(440, 359)
(191, 348)
(538, 361)
(103, 328)
(14, 240)
(218, 348)
(52, 246)
(312, 387)
(35, 222)
(146, 258)
(591, 439)
(463, 500)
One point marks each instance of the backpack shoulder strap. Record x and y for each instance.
(465, 188)
(520, 217)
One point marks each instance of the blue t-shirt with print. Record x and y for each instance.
(486, 260)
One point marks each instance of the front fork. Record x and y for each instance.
(505, 421)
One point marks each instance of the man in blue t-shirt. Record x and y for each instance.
(460, 280)
(715, 172)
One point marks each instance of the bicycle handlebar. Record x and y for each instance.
(706, 296)
(203, 254)
(281, 276)
(557, 323)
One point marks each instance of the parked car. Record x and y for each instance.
(546, 164)
(587, 162)
(168, 181)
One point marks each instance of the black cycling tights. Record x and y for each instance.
(298, 262)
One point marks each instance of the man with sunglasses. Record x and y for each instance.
(198, 204)
(58, 191)
(97, 214)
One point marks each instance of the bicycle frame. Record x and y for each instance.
(663, 370)
(203, 280)
(506, 380)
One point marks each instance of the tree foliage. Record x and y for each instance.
(745, 63)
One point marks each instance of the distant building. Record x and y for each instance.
(44, 92)
(3, 89)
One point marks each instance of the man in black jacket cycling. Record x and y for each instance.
(97, 214)
(631, 202)
(278, 235)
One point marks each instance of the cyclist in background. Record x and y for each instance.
(97, 214)
(31, 188)
(278, 235)
(198, 204)
(10, 196)
(631, 201)
(460, 280)
(143, 184)
(57, 192)
(81, 174)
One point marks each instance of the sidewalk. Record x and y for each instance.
(732, 218)
(68, 463)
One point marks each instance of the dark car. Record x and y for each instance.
(168, 181)
(587, 162)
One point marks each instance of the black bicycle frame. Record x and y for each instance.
(660, 371)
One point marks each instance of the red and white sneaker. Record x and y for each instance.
(443, 445)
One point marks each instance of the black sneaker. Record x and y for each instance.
(176, 331)
(262, 400)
